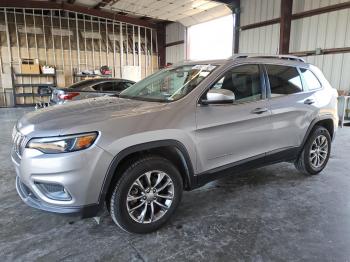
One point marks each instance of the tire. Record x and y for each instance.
(316, 148)
(132, 203)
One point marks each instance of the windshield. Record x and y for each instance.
(168, 84)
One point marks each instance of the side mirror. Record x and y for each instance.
(219, 96)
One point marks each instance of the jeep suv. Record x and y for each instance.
(175, 130)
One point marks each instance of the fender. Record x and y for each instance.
(312, 125)
(180, 148)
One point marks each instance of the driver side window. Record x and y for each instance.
(243, 81)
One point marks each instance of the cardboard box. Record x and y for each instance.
(343, 93)
(30, 66)
(48, 70)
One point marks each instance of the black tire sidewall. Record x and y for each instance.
(317, 131)
(119, 209)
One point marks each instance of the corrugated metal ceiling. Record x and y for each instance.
(187, 12)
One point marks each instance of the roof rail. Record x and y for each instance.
(286, 57)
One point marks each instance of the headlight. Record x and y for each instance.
(63, 144)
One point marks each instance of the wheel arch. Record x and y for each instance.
(328, 124)
(173, 150)
(324, 121)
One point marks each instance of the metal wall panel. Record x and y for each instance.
(175, 32)
(325, 31)
(306, 5)
(263, 40)
(330, 30)
(175, 54)
(254, 11)
(336, 68)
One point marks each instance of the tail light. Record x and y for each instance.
(68, 96)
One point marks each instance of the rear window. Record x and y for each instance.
(310, 79)
(105, 87)
(112, 86)
(284, 80)
(123, 85)
(82, 84)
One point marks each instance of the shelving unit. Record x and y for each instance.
(77, 77)
(30, 90)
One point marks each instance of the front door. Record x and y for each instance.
(228, 133)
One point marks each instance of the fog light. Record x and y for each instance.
(54, 191)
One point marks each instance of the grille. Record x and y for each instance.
(53, 188)
(18, 141)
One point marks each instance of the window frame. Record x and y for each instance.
(268, 86)
(88, 91)
(303, 80)
(84, 83)
(128, 83)
(221, 75)
(103, 83)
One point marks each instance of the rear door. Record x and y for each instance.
(228, 133)
(292, 107)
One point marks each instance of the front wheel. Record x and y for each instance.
(315, 155)
(146, 195)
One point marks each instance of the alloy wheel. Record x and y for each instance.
(318, 151)
(150, 196)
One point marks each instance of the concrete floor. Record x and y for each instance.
(272, 213)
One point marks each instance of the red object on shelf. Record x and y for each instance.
(105, 70)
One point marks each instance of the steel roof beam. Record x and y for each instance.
(32, 4)
(102, 4)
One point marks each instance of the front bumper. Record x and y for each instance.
(31, 200)
(81, 173)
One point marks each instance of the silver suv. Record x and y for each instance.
(175, 130)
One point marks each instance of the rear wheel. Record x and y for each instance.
(146, 195)
(314, 157)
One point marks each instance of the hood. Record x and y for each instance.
(53, 120)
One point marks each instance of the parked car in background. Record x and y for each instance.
(88, 89)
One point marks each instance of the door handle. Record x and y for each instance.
(259, 110)
(309, 101)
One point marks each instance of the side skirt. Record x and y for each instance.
(284, 155)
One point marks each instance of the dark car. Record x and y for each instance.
(89, 88)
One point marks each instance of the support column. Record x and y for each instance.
(285, 25)
(8, 38)
(235, 6)
(161, 45)
(236, 12)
